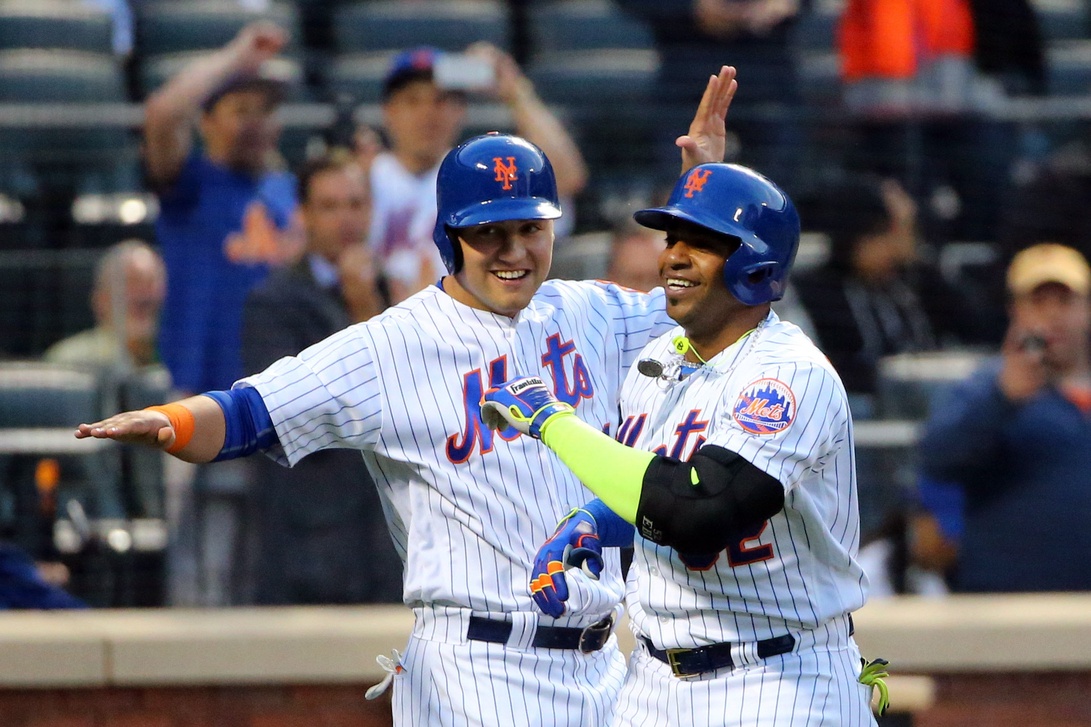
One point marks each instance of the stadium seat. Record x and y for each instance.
(62, 137)
(908, 383)
(817, 26)
(102, 219)
(1062, 19)
(55, 24)
(359, 75)
(605, 95)
(605, 98)
(169, 26)
(155, 70)
(566, 25)
(36, 395)
(820, 79)
(448, 24)
(604, 79)
(1068, 64)
(39, 76)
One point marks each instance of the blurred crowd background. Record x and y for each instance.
(189, 190)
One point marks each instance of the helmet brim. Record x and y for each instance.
(504, 210)
(661, 218)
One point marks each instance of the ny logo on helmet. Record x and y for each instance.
(696, 181)
(506, 173)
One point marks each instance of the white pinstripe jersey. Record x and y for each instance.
(467, 507)
(773, 398)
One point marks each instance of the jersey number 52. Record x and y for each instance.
(739, 553)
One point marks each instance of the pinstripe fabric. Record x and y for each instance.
(815, 687)
(797, 574)
(467, 507)
(474, 683)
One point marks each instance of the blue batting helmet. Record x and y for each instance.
(491, 178)
(734, 200)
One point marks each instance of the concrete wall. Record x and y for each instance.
(998, 661)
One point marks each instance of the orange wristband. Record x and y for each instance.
(181, 420)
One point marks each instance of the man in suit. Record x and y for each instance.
(321, 533)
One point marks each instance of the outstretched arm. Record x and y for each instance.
(706, 140)
(191, 429)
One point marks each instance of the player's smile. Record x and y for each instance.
(691, 269)
(678, 286)
(504, 264)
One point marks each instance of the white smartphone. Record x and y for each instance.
(461, 72)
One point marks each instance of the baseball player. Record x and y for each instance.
(738, 475)
(467, 506)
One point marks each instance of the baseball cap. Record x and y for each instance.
(409, 65)
(276, 76)
(1049, 263)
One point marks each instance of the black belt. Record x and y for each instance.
(691, 662)
(589, 639)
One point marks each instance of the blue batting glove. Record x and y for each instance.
(575, 544)
(525, 403)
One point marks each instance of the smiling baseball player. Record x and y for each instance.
(467, 506)
(738, 475)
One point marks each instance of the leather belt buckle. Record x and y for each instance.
(595, 636)
(676, 666)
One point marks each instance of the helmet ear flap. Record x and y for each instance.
(455, 254)
(752, 280)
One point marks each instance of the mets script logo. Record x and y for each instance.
(571, 383)
(766, 406)
(506, 173)
(696, 181)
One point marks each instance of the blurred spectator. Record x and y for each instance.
(912, 81)
(422, 120)
(222, 206)
(130, 284)
(1016, 440)
(875, 297)
(755, 36)
(26, 585)
(320, 528)
(634, 257)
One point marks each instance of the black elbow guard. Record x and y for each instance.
(700, 505)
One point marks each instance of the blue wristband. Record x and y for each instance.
(613, 530)
(248, 426)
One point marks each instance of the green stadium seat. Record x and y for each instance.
(40, 76)
(56, 24)
(447, 24)
(62, 136)
(604, 78)
(585, 24)
(173, 26)
(1062, 19)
